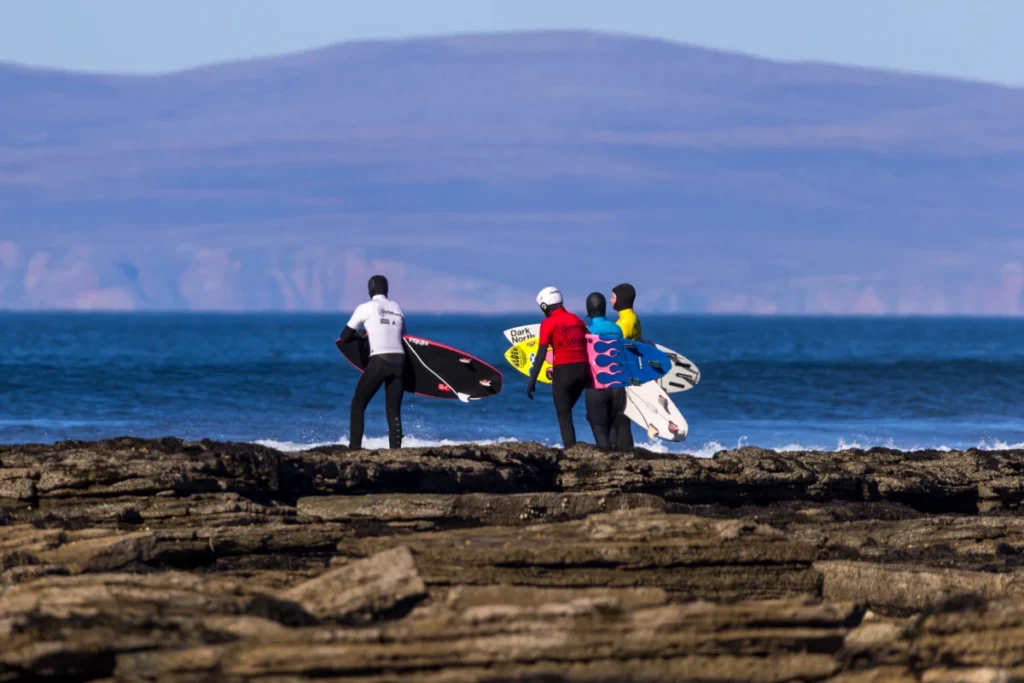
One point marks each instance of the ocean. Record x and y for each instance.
(277, 379)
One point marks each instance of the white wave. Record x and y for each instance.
(707, 450)
(997, 445)
(711, 447)
(378, 443)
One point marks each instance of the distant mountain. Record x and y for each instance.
(475, 170)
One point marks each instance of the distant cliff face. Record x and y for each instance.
(476, 170)
(205, 279)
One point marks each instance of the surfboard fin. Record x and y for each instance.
(656, 364)
(462, 397)
(652, 432)
(465, 361)
(485, 382)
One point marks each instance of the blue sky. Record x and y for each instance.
(976, 39)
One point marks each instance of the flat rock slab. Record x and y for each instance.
(575, 639)
(903, 588)
(686, 556)
(361, 589)
(86, 550)
(70, 627)
(482, 509)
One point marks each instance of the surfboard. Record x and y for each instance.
(613, 362)
(522, 355)
(683, 376)
(651, 408)
(435, 370)
(617, 362)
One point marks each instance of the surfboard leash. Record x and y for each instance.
(461, 396)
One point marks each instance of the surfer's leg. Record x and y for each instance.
(393, 392)
(561, 394)
(598, 415)
(622, 429)
(366, 389)
(567, 385)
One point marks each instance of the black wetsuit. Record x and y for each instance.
(605, 407)
(604, 411)
(568, 383)
(385, 370)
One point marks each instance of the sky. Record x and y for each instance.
(972, 39)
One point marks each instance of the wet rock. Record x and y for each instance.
(928, 481)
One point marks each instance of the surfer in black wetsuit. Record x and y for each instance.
(623, 299)
(604, 406)
(385, 327)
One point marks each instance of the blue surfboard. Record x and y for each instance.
(618, 362)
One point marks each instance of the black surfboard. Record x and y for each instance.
(434, 370)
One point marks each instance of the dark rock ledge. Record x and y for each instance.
(161, 560)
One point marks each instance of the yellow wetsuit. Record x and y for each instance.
(630, 325)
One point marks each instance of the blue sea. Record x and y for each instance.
(277, 379)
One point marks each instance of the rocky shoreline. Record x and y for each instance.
(162, 560)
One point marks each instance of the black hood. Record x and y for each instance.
(597, 307)
(378, 284)
(625, 296)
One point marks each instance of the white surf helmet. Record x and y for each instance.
(549, 296)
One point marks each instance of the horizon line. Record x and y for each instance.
(485, 314)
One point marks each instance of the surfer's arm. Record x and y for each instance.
(543, 343)
(542, 353)
(359, 317)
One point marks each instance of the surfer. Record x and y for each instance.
(384, 323)
(623, 298)
(605, 407)
(566, 335)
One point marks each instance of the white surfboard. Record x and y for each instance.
(651, 408)
(683, 376)
(649, 405)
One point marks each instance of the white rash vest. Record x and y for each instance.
(384, 323)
